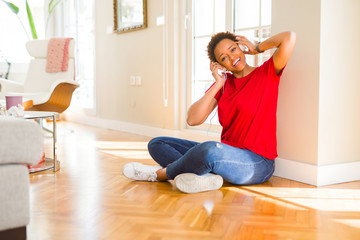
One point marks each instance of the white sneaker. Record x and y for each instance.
(140, 172)
(192, 183)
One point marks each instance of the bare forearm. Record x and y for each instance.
(276, 41)
(201, 109)
(285, 44)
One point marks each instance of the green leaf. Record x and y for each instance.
(12, 6)
(16, 10)
(52, 5)
(31, 21)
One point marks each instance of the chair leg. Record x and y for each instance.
(41, 123)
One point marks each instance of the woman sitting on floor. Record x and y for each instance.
(247, 103)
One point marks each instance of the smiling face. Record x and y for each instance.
(229, 55)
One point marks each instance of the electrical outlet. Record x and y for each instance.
(132, 80)
(138, 80)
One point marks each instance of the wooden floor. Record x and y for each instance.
(89, 198)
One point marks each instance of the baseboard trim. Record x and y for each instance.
(293, 170)
(194, 135)
(338, 173)
(317, 175)
(297, 171)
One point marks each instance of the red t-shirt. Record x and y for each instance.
(247, 110)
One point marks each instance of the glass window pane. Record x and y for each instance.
(220, 18)
(265, 33)
(201, 60)
(246, 13)
(213, 119)
(203, 17)
(249, 34)
(13, 45)
(265, 12)
(199, 88)
(79, 23)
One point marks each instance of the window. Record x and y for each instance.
(15, 33)
(78, 21)
(208, 18)
(251, 18)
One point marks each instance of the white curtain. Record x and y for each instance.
(75, 18)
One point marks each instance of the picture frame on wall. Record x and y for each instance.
(129, 15)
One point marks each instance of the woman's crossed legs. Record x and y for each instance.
(235, 165)
(185, 161)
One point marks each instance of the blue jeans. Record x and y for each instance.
(235, 165)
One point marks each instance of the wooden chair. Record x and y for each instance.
(43, 91)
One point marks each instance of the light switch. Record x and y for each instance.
(160, 21)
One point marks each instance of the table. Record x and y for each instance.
(49, 163)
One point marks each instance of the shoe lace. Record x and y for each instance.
(151, 176)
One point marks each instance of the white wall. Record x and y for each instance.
(299, 86)
(118, 56)
(319, 101)
(339, 105)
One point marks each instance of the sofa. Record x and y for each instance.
(21, 143)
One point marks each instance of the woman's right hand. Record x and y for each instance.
(201, 109)
(219, 78)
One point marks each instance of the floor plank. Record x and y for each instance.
(89, 198)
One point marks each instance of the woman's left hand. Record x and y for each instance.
(250, 47)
